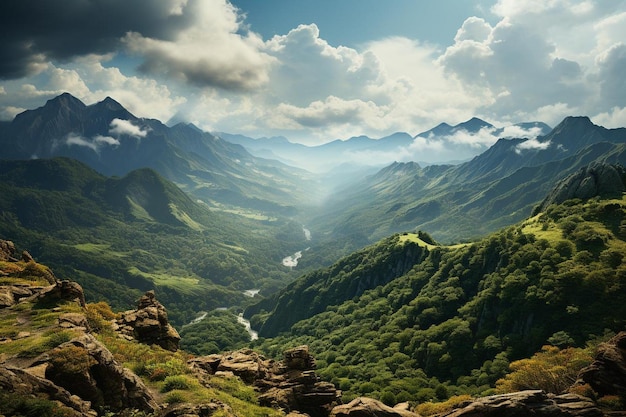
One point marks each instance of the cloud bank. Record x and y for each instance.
(199, 61)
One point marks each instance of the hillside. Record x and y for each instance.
(119, 237)
(61, 356)
(454, 317)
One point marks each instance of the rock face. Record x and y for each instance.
(368, 407)
(7, 251)
(64, 290)
(149, 324)
(85, 367)
(607, 374)
(528, 403)
(594, 180)
(20, 382)
(290, 384)
(58, 290)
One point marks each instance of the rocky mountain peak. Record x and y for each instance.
(602, 180)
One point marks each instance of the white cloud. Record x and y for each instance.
(121, 127)
(76, 140)
(211, 52)
(531, 144)
(614, 118)
(106, 140)
(520, 132)
(483, 138)
(535, 60)
(8, 113)
(95, 144)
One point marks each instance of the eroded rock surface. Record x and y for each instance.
(290, 384)
(607, 374)
(149, 324)
(528, 403)
(87, 368)
(368, 407)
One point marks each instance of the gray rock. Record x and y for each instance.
(368, 407)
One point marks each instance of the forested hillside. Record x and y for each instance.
(458, 316)
(119, 237)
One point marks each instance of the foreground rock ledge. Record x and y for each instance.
(528, 403)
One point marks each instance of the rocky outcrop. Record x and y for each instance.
(290, 384)
(12, 294)
(368, 407)
(149, 324)
(202, 410)
(607, 374)
(26, 270)
(60, 291)
(7, 251)
(528, 403)
(18, 382)
(595, 180)
(85, 367)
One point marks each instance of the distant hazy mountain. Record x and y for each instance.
(496, 188)
(114, 142)
(443, 143)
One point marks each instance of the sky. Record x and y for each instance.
(324, 70)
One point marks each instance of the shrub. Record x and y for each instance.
(178, 382)
(57, 338)
(429, 408)
(552, 370)
(175, 397)
(71, 360)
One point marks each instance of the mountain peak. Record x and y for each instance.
(575, 122)
(110, 104)
(65, 100)
(473, 125)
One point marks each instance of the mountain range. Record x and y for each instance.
(498, 187)
(442, 144)
(416, 282)
(113, 141)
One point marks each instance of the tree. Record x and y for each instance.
(553, 370)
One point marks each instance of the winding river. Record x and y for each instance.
(292, 260)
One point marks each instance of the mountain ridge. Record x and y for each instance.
(114, 142)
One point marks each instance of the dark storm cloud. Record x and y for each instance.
(35, 31)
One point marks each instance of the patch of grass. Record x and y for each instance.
(18, 405)
(165, 279)
(176, 397)
(412, 237)
(179, 382)
(184, 218)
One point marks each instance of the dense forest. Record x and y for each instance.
(461, 315)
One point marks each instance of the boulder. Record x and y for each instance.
(202, 410)
(86, 368)
(24, 384)
(607, 373)
(291, 384)
(61, 291)
(368, 407)
(7, 251)
(149, 324)
(528, 403)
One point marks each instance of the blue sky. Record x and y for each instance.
(318, 71)
(356, 22)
